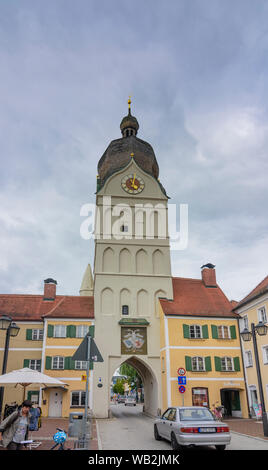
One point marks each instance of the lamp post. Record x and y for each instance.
(11, 329)
(261, 329)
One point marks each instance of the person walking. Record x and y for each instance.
(15, 427)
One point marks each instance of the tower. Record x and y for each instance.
(131, 266)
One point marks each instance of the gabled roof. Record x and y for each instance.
(260, 289)
(34, 308)
(192, 297)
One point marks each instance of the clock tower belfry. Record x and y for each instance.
(131, 266)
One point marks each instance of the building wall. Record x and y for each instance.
(22, 349)
(251, 312)
(178, 350)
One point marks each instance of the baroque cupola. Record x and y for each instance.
(120, 151)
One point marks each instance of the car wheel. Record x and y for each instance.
(156, 434)
(174, 443)
(220, 447)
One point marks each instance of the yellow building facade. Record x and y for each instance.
(204, 347)
(51, 329)
(253, 309)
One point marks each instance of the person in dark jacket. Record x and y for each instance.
(15, 427)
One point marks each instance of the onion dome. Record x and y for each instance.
(118, 153)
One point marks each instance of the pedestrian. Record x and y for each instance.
(15, 427)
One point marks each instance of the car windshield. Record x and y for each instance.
(196, 414)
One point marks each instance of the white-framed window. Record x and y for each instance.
(249, 360)
(82, 365)
(265, 354)
(227, 364)
(223, 332)
(262, 317)
(198, 364)
(81, 331)
(58, 362)
(35, 364)
(195, 331)
(78, 398)
(60, 331)
(244, 323)
(37, 334)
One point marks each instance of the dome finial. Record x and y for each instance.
(129, 103)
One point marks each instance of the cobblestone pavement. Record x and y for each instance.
(250, 427)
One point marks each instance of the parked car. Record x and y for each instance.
(131, 401)
(191, 426)
(121, 399)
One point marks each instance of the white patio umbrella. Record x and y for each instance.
(27, 377)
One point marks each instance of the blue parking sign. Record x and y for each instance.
(182, 380)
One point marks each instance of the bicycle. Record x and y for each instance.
(59, 438)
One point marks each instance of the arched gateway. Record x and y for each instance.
(131, 266)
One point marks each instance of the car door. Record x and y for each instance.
(164, 423)
(171, 423)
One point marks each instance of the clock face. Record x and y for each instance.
(132, 184)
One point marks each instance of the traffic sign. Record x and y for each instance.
(82, 354)
(182, 380)
(182, 389)
(181, 371)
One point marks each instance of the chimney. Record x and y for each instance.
(209, 275)
(49, 289)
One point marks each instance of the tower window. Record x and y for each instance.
(124, 228)
(125, 310)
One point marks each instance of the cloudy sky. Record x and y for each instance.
(197, 73)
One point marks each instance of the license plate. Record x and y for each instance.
(207, 430)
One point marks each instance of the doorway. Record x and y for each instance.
(55, 403)
(230, 399)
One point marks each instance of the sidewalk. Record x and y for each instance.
(48, 429)
(250, 427)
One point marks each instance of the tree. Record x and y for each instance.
(133, 376)
(119, 387)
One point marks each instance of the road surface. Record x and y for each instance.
(130, 429)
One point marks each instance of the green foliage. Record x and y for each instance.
(132, 376)
(119, 387)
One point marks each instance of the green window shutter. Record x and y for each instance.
(233, 331)
(188, 363)
(214, 330)
(92, 331)
(208, 363)
(67, 364)
(91, 364)
(50, 331)
(29, 334)
(186, 333)
(217, 363)
(71, 331)
(26, 362)
(48, 362)
(72, 364)
(236, 364)
(205, 331)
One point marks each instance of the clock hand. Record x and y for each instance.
(133, 181)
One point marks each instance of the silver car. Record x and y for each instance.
(191, 425)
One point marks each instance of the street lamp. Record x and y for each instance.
(261, 329)
(11, 329)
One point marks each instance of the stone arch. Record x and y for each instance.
(141, 261)
(158, 259)
(150, 383)
(124, 261)
(107, 301)
(142, 303)
(108, 264)
(158, 293)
